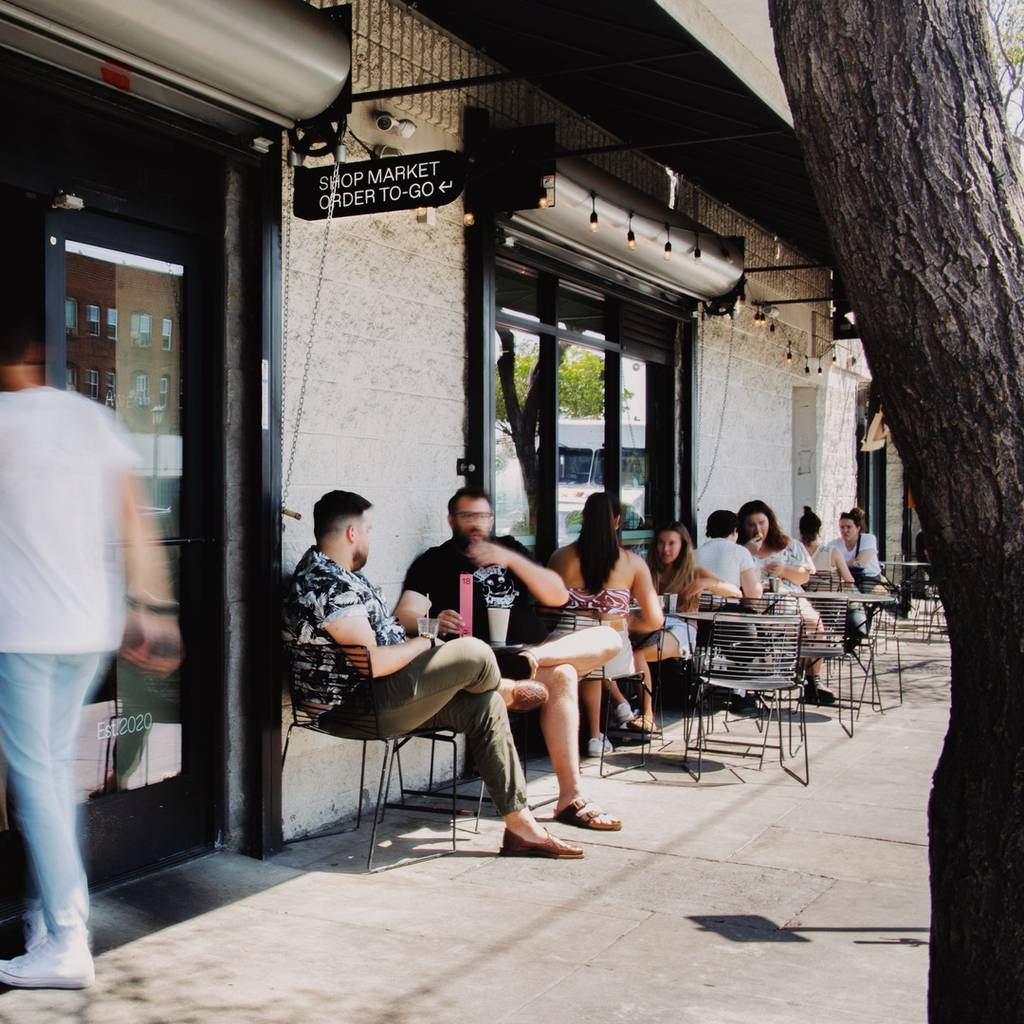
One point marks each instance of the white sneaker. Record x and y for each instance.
(62, 961)
(597, 744)
(35, 929)
(623, 713)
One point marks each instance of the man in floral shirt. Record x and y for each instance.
(417, 682)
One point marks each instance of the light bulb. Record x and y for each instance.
(469, 218)
(668, 250)
(593, 221)
(631, 239)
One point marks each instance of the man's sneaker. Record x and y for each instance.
(743, 706)
(35, 929)
(623, 713)
(62, 961)
(598, 744)
(815, 693)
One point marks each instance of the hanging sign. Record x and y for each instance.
(380, 186)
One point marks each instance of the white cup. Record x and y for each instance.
(497, 624)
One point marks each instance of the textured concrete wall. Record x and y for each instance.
(745, 438)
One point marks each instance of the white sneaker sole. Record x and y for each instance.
(17, 981)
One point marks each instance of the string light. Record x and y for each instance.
(789, 353)
(819, 367)
(630, 236)
(807, 366)
(696, 245)
(593, 211)
(668, 242)
(469, 218)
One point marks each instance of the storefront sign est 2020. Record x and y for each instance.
(380, 186)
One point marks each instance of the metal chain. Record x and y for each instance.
(721, 418)
(313, 317)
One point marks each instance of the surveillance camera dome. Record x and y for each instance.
(385, 122)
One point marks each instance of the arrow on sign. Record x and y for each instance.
(380, 186)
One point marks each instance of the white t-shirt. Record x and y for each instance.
(868, 547)
(724, 558)
(62, 459)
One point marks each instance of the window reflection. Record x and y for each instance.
(517, 424)
(580, 433)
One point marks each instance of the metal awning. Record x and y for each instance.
(234, 64)
(673, 95)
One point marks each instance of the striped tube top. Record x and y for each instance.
(607, 601)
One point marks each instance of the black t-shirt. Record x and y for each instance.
(436, 573)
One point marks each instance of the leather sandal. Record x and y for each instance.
(642, 724)
(551, 847)
(583, 814)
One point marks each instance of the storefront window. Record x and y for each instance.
(549, 459)
(635, 465)
(580, 433)
(516, 434)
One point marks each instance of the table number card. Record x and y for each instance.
(466, 602)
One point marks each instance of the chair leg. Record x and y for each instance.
(362, 782)
(284, 753)
(382, 787)
(455, 789)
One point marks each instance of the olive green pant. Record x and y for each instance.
(454, 686)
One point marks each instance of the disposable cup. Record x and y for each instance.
(497, 624)
(426, 626)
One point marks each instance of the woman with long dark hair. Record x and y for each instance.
(785, 560)
(778, 556)
(604, 578)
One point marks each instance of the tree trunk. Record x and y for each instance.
(897, 109)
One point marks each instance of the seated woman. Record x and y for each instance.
(604, 578)
(824, 556)
(674, 570)
(858, 549)
(786, 560)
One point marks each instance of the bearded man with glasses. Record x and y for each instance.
(505, 576)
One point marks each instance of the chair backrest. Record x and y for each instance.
(708, 602)
(749, 650)
(331, 677)
(829, 632)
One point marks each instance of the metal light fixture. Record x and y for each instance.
(668, 242)
(630, 235)
(593, 211)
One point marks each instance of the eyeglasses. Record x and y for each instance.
(474, 517)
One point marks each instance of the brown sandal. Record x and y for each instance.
(642, 724)
(584, 814)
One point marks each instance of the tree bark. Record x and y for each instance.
(897, 110)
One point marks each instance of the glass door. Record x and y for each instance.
(123, 329)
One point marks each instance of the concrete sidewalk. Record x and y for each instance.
(745, 898)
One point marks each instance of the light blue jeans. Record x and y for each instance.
(41, 698)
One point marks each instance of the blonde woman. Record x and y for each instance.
(674, 571)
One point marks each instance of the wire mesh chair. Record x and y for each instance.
(562, 620)
(332, 693)
(758, 654)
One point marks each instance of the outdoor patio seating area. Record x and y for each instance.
(746, 896)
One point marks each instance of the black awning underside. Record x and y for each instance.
(689, 95)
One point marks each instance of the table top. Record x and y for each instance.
(909, 565)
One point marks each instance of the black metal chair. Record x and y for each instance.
(760, 655)
(561, 620)
(332, 693)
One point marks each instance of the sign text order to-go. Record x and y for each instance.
(380, 186)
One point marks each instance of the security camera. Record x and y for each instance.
(402, 126)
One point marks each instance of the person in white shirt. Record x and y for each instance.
(69, 532)
(824, 556)
(721, 556)
(858, 548)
